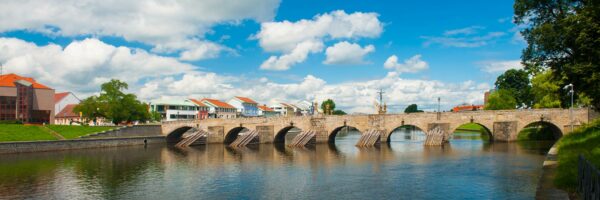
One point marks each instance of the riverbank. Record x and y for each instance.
(20, 132)
(59, 145)
(583, 141)
(471, 128)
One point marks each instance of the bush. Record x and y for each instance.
(11, 122)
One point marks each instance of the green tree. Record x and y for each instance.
(331, 106)
(114, 104)
(412, 108)
(563, 36)
(546, 91)
(517, 82)
(501, 100)
(339, 112)
(156, 116)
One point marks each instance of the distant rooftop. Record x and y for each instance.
(185, 102)
(8, 80)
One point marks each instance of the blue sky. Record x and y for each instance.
(221, 48)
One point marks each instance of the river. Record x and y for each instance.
(467, 168)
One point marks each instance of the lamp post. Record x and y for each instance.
(571, 92)
(439, 114)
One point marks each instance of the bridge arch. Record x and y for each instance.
(334, 132)
(280, 135)
(175, 135)
(544, 125)
(389, 134)
(486, 130)
(233, 133)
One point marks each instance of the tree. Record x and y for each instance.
(114, 104)
(546, 91)
(517, 82)
(325, 108)
(501, 100)
(156, 116)
(339, 112)
(412, 108)
(563, 36)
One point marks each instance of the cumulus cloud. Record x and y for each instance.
(170, 26)
(286, 37)
(297, 55)
(468, 37)
(84, 65)
(347, 53)
(412, 65)
(500, 66)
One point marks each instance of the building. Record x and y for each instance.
(306, 108)
(202, 109)
(171, 110)
(466, 107)
(219, 109)
(245, 106)
(283, 109)
(24, 99)
(62, 101)
(265, 111)
(66, 116)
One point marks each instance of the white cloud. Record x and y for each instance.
(174, 26)
(298, 55)
(285, 36)
(347, 53)
(468, 37)
(412, 65)
(84, 65)
(500, 66)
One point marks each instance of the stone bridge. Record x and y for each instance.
(503, 125)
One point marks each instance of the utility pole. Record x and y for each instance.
(571, 92)
(439, 113)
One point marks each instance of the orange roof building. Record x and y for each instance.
(219, 109)
(245, 106)
(464, 108)
(24, 99)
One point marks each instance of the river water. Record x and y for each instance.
(467, 168)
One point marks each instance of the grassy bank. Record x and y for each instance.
(471, 128)
(535, 133)
(584, 141)
(71, 132)
(19, 132)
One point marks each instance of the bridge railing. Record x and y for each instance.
(588, 179)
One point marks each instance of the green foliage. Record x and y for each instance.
(18, 132)
(114, 104)
(501, 100)
(412, 108)
(517, 82)
(339, 112)
(155, 116)
(583, 141)
(331, 106)
(536, 133)
(546, 91)
(563, 36)
(11, 122)
(71, 132)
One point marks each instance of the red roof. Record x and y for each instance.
(265, 108)
(246, 100)
(67, 112)
(197, 102)
(218, 103)
(8, 80)
(60, 96)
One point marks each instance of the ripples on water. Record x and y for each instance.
(467, 168)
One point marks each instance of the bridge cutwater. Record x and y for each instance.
(503, 125)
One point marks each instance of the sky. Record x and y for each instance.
(269, 50)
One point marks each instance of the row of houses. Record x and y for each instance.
(236, 107)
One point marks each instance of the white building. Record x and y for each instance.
(245, 106)
(283, 109)
(219, 109)
(61, 100)
(171, 110)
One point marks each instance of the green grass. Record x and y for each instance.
(471, 128)
(583, 141)
(71, 132)
(17, 132)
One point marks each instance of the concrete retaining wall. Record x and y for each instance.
(37, 146)
(129, 131)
